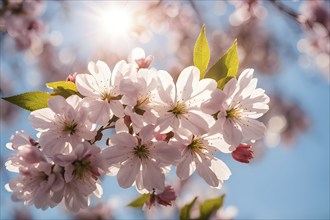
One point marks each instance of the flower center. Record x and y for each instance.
(106, 96)
(179, 109)
(81, 168)
(141, 151)
(232, 113)
(141, 103)
(70, 127)
(196, 145)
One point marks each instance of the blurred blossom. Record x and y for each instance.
(101, 211)
(225, 213)
(22, 213)
(245, 10)
(285, 121)
(20, 19)
(315, 20)
(8, 111)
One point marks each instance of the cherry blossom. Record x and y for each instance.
(197, 153)
(138, 94)
(26, 152)
(82, 169)
(178, 105)
(238, 107)
(101, 89)
(141, 158)
(63, 125)
(139, 59)
(40, 184)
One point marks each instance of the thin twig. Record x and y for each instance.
(283, 8)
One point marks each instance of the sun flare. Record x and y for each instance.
(116, 21)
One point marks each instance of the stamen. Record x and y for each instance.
(141, 151)
(179, 109)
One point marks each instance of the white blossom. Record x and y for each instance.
(238, 107)
(197, 153)
(142, 159)
(101, 89)
(178, 105)
(63, 125)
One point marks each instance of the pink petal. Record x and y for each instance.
(127, 172)
(87, 85)
(153, 178)
(41, 119)
(206, 173)
(186, 167)
(186, 82)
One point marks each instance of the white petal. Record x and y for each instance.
(217, 141)
(186, 167)
(214, 104)
(42, 119)
(147, 133)
(166, 88)
(128, 172)
(99, 111)
(120, 70)
(220, 169)
(101, 73)
(232, 133)
(166, 153)
(153, 178)
(114, 155)
(252, 129)
(123, 140)
(74, 101)
(87, 85)
(117, 108)
(206, 173)
(186, 82)
(120, 126)
(58, 105)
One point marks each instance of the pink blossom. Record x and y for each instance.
(63, 125)
(178, 105)
(141, 159)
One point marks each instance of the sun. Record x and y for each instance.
(116, 22)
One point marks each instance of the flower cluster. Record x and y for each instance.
(21, 19)
(159, 124)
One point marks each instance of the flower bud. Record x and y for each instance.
(243, 153)
(144, 62)
(165, 198)
(72, 78)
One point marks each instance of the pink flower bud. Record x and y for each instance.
(144, 62)
(243, 153)
(160, 137)
(72, 78)
(166, 197)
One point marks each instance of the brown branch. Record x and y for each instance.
(283, 8)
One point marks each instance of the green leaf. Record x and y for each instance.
(139, 202)
(201, 52)
(185, 210)
(210, 206)
(63, 88)
(226, 68)
(30, 100)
